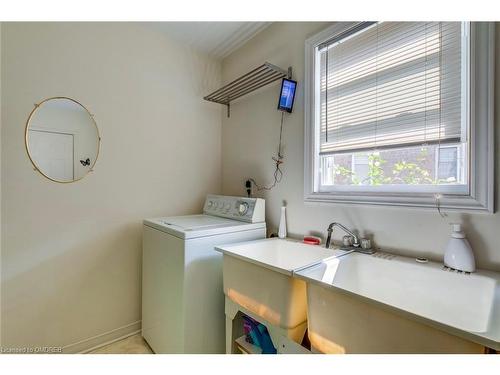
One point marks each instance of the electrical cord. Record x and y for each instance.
(278, 160)
(438, 205)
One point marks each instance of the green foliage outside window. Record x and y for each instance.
(403, 172)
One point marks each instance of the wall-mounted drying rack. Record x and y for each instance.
(253, 80)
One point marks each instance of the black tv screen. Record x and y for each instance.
(287, 95)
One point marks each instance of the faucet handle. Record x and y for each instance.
(347, 241)
(366, 244)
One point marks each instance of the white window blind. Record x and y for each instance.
(391, 84)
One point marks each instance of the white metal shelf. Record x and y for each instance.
(251, 81)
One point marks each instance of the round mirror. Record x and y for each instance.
(62, 139)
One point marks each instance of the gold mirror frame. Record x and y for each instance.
(26, 141)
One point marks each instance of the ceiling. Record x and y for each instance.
(218, 39)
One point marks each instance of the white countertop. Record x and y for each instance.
(281, 255)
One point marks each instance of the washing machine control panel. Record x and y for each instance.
(251, 210)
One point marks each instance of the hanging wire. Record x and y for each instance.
(440, 95)
(376, 87)
(278, 160)
(439, 196)
(326, 92)
(438, 205)
(425, 87)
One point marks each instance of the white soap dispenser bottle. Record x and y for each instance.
(458, 252)
(282, 226)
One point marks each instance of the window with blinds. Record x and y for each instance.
(392, 93)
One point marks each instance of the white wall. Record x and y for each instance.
(250, 136)
(71, 253)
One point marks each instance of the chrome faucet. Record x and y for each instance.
(351, 241)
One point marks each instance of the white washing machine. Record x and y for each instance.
(182, 295)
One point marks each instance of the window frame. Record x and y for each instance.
(353, 163)
(459, 160)
(480, 194)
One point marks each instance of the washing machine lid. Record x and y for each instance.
(193, 226)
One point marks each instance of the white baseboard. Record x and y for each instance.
(98, 341)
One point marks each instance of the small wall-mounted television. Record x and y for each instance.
(287, 95)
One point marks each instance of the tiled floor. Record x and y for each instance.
(131, 345)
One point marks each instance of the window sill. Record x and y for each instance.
(415, 200)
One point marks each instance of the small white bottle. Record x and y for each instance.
(282, 226)
(458, 252)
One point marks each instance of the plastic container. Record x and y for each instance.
(312, 240)
(458, 252)
(282, 226)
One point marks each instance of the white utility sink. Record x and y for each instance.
(464, 305)
(258, 277)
